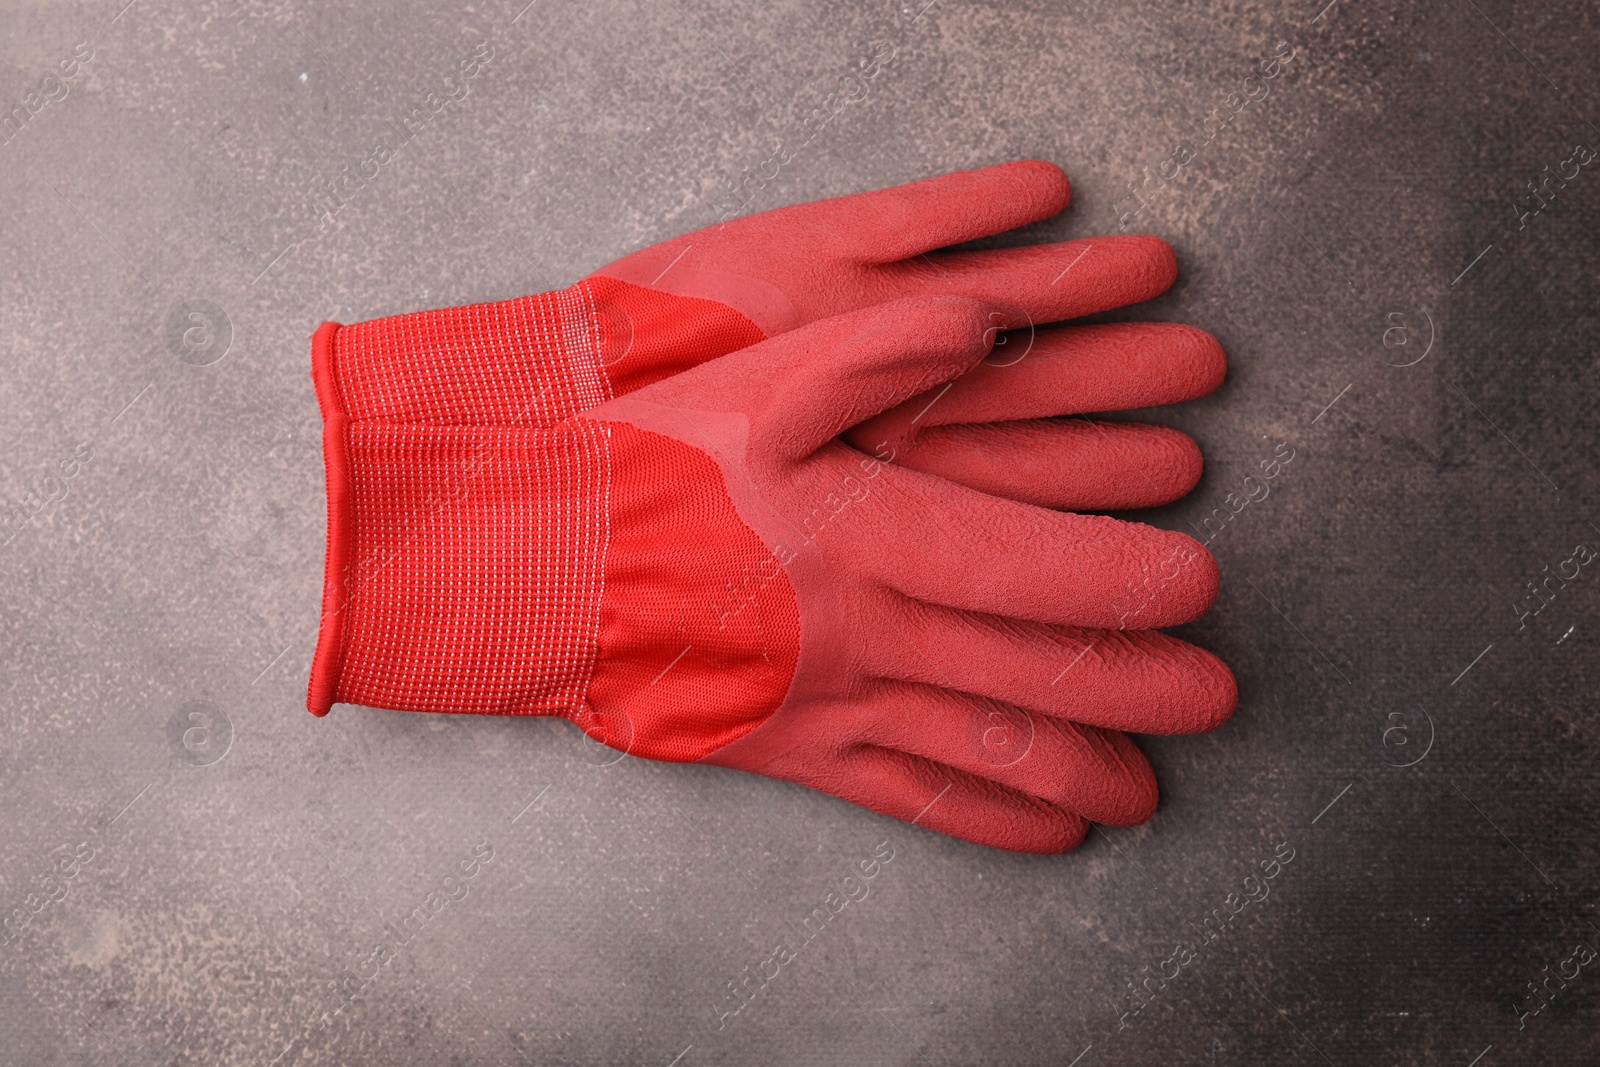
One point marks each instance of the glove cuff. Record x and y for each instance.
(589, 570)
(531, 361)
(465, 564)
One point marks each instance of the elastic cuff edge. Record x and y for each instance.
(328, 662)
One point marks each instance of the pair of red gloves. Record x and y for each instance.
(791, 495)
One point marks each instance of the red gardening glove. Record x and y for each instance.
(703, 571)
(535, 360)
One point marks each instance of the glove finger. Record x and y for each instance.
(987, 554)
(907, 220)
(1037, 284)
(802, 388)
(950, 801)
(1100, 774)
(1067, 370)
(1142, 681)
(1071, 464)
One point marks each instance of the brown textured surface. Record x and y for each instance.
(177, 571)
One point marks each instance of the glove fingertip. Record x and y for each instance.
(1203, 360)
(1044, 183)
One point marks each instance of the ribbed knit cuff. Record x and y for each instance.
(531, 361)
(465, 564)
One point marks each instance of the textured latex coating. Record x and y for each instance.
(919, 647)
(784, 268)
(991, 429)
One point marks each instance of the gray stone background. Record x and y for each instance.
(194, 868)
